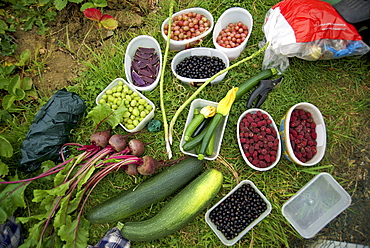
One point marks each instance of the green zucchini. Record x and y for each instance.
(201, 127)
(181, 210)
(211, 145)
(253, 81)
(153, 190)
(192, 143)
(208, 135)
(194, 123)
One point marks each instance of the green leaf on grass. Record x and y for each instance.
(33, 235)
(26, 84)
(6, 148)
(103, 112)
(4, 169)
(11, 197)
(60, 4)
(8, 101)
(75, 233)
(4, 83)
(24, 57)
(40, 194)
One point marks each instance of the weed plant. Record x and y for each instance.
(339, 88)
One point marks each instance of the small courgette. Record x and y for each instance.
(181, 210)
(253, 81)
(208, 135)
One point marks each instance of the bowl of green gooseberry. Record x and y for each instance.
(140, 110)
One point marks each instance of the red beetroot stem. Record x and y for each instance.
(94, 180)
(76, 179)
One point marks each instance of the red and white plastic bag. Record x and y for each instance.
(310, 30)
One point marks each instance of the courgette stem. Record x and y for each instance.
(192, 97)
(210, 131)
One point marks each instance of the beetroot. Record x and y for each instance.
(100, 138)
(132, 170)
(258, 139)
(118, 141)
(148, 167)
(302, 135)
(136, 147)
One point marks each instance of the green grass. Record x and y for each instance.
(339, 88)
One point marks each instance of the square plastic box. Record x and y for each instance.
(145, 121)
(316, 204)
(200, 103)
(219, 234)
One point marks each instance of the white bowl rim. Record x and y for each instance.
(184, 42)
(286, 134)
(228, 11)
(219, 54)
(159, 53)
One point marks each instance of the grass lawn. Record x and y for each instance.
(339, 88)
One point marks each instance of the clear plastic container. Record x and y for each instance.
(145, 121)
(278, 152)
(147, 42)
(320, 130)
(233, 15)
(181, 45)
(199, 51)
(219, 234)
(316, 204)
(200, 103)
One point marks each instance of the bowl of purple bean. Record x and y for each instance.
(238, 212)
(197, 65)
(143, 62)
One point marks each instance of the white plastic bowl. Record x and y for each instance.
(233, 15)
(315, 205)
(219, 133)
(147, 42)
(219, 234)
(278, 152)
(145, 121)
(199, 51)
(181, 45)
(320, 130)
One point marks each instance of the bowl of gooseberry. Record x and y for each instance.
(195, 66)
(258, 139)
(232, 31)
(139, 109)
(188, 28)
(303, 134)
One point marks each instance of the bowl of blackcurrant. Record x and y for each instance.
(197, 65)
(238, 212)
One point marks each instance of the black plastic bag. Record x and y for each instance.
(50, 129)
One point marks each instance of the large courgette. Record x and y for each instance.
(181, 210)
(151, 191)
